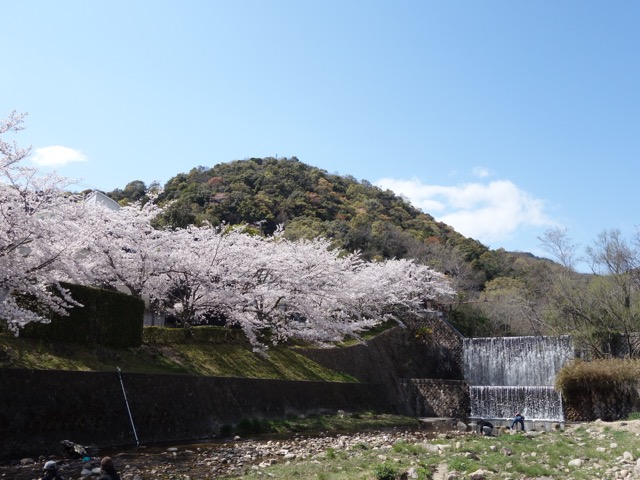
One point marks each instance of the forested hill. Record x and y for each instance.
(498, 292)
(356, 216)
(309, 202)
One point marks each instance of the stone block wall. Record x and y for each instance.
(398, 354)
(445, 345)
(604, 402)
(38, 409)
(437, 398)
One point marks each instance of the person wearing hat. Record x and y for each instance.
(108, 470)
(51, 471)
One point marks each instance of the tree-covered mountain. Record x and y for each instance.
(499, 292)
(355, 215)
(308, 202)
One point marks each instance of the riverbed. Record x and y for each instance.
(229, 458)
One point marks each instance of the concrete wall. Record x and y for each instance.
(38, 409)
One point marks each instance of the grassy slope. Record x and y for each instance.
(198, 357)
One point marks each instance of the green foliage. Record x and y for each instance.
(407, 448)
(253, 426)
(309, 202)
(105, 318)
(385, 471)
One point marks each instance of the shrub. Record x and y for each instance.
(385, 471)
(612, 372)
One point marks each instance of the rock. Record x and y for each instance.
(412, 474)
(576, 462)
(430, 447)
(461, 427)
(74, 449)
(507, 451)
(628, 456)
(7, 355)
(478, 475)
(27, 461)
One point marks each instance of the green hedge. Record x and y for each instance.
(107, 318)
(208, 334)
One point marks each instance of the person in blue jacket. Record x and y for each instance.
(518, 419)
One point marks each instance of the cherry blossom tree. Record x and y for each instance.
(287, 287)
(124, 250)
(304, 289)
(193, 268)
(291, 289)
(40, 228)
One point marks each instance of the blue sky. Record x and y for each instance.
(500, 118)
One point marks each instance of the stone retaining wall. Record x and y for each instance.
(604, 402)
(38, 409)
(398, 354)
(437, 398)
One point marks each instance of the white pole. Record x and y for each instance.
(128, 409)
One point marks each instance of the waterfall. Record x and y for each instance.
(534, 402)
(515, 360)
(515, 374)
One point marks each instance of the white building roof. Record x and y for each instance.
(99, 198)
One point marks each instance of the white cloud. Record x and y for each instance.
(489, 212)
(56, 156)
(481, 172)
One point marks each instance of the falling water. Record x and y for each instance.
(515, 360)
(535, 402)
(511, 374)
